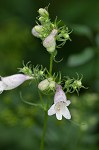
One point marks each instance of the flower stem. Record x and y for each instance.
(45, 112)
(41, 99)
(44, 130)
(51, 64)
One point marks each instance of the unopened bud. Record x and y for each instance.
(66, 36)
(52, 85)
(43, 85)
(41, 19)
(38, 28)
(79, 83)
(50, 43)
(41, 72)
(35, 33)
(43, 12)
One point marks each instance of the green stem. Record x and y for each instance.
(45, 113)
(44, 130)
(51, 64)
(41, 99)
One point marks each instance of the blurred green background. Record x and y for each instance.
(21, 124)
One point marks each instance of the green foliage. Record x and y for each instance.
(80, 59)
(21, 124)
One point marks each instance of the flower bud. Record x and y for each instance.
(11, 82)
(66, 36)
(38, 28)
(43, 12)
(52, 85)
(35, 33)
(41, 72)
(50, 43)
(41, 19)
(77, 83)
(43, 85)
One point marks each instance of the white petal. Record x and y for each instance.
(49, 41)
(36, 34)
(51, 111)
(59, 116)
(2, 87)
(54, 32)
(13, 81)
(59, 96)
(66, 113)
(1, 92)
(43, 85)
(68, 102)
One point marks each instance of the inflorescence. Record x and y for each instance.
(53, 36)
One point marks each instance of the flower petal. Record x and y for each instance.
(66, 113)
(51, 111)
(14, 81)
(68, 102)
(59, 116)
(2, 87)
(59, 96)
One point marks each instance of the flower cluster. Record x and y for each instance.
(50, 32)
(72, 84)
(60, 102)
(48, 84)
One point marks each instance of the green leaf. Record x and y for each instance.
(81, 58)
(97, 40)
(82, 30)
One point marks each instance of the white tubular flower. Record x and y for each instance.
(60, 105)
(50, 43)
(13, 81)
